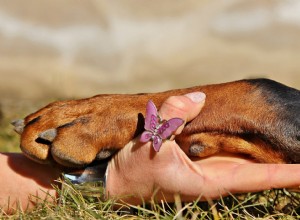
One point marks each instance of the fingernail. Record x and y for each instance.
(196, 97)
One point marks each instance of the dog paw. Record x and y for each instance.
(74, 133)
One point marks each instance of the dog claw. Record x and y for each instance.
(195, 150)
(48, 135)
(105, 153)
(18, 125)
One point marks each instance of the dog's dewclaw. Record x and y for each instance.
(195, 150)
(18, 125)
(48, 135)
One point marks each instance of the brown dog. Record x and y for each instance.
(257, 117)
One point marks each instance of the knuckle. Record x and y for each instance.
(178, 102)
(176, 106)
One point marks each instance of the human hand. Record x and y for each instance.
(136, 171)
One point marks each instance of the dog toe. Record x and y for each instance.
(33, 148)
(74, 144)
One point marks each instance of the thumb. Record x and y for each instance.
(186, 107)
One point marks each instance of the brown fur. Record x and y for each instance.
(238, 117)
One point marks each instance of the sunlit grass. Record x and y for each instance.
(9, 140)
(71, 204)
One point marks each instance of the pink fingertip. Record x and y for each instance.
(196, 97)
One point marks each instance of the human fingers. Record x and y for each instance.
(225, 177)
(186, 107)
(135, 177)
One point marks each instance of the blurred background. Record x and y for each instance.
(54, 49)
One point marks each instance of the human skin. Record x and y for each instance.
(22, 180)
(138, 170)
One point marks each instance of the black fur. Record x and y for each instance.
(286, 106)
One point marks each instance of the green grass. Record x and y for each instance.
(9, 140)
(71, 204)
